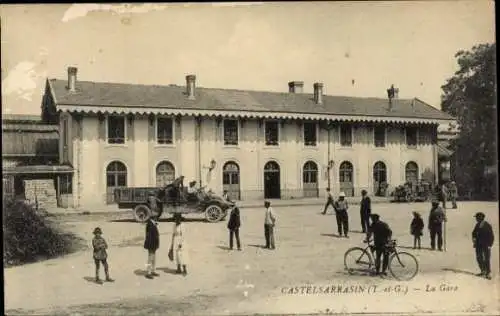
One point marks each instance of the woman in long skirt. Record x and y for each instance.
(179, 246)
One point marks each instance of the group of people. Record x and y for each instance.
(482, 235)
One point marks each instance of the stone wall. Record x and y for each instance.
(42, 192)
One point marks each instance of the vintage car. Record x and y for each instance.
(173, 198)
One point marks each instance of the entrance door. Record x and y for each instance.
(272, 189)
(310, 179)
(379, 178)
(165, 174)
(116, 177)
(346, 178)
(231, 180)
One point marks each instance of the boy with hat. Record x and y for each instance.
(482, 238)
(365, 210)
(341, 215)
(151, 244)
(100, 255)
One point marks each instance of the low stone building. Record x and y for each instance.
(30, 162)
(255, 144)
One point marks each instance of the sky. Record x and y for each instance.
(353, 48)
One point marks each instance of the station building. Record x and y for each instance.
(255, 144)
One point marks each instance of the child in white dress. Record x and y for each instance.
(179, 246)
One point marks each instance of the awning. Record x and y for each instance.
(244, 114)
(37, 169)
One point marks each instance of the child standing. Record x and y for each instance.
(100, 255)
(416, 228)
(178, 246)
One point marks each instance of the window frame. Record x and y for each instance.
(125, 130)
(385, 136)
(172, 120)
(316, 133)
(278, 124)
(238, 131)
(416, 137)
(340, 135)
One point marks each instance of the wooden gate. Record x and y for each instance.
(8, 187)
(116, 177)
(346, 178)
(310, 179)
(231, 180)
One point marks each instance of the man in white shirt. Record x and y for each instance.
(269, 222)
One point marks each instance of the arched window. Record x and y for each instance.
(345, 172)
(116, 174)
(379, 172)
(411, 172)
(271, 166)
(310, 172)
(165, 173)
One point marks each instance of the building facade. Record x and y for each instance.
(254, 144)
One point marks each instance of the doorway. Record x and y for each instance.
(379, 179)
(272, 186)
(231, 180)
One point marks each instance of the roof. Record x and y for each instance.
(21, 118)
(19, 127)
(37, 169)
(30, 143)
(172, 100)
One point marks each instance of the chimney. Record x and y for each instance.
(72, 78)
(392, 93)
(296, 86)
(318, 93)
(190, 86)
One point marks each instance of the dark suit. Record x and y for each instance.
(151, 244)
(365, 211)
(381, 236)
(436, 219)
(483, 238)
(233, 225)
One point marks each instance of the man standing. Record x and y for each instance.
(269, 222)
(435, 225)
(329, 200)
(151, 244)
(341, 215)
(482, 238)
(381, 237)
(444, 194)
(453, 194)
(233, 225)
(365, 211)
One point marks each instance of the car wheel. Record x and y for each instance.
(213, 213)
(142, 213)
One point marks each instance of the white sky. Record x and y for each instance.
(255, 47)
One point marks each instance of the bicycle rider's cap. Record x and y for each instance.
(479, 215)
(374, 216)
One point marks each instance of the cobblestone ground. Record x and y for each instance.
(254, 280)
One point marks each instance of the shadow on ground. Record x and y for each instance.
(162, 220)
(257, 246)
(416, 249)
(331, 235)
(460, 271)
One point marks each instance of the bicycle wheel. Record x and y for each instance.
(357, 260)
(403, 266)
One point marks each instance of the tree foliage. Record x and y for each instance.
(470, 96)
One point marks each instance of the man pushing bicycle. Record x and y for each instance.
(381, 238)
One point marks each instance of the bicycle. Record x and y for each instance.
(403, 266)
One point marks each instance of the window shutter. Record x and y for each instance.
(129, 121)
(102, 126)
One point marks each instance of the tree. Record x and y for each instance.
(470, 96)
